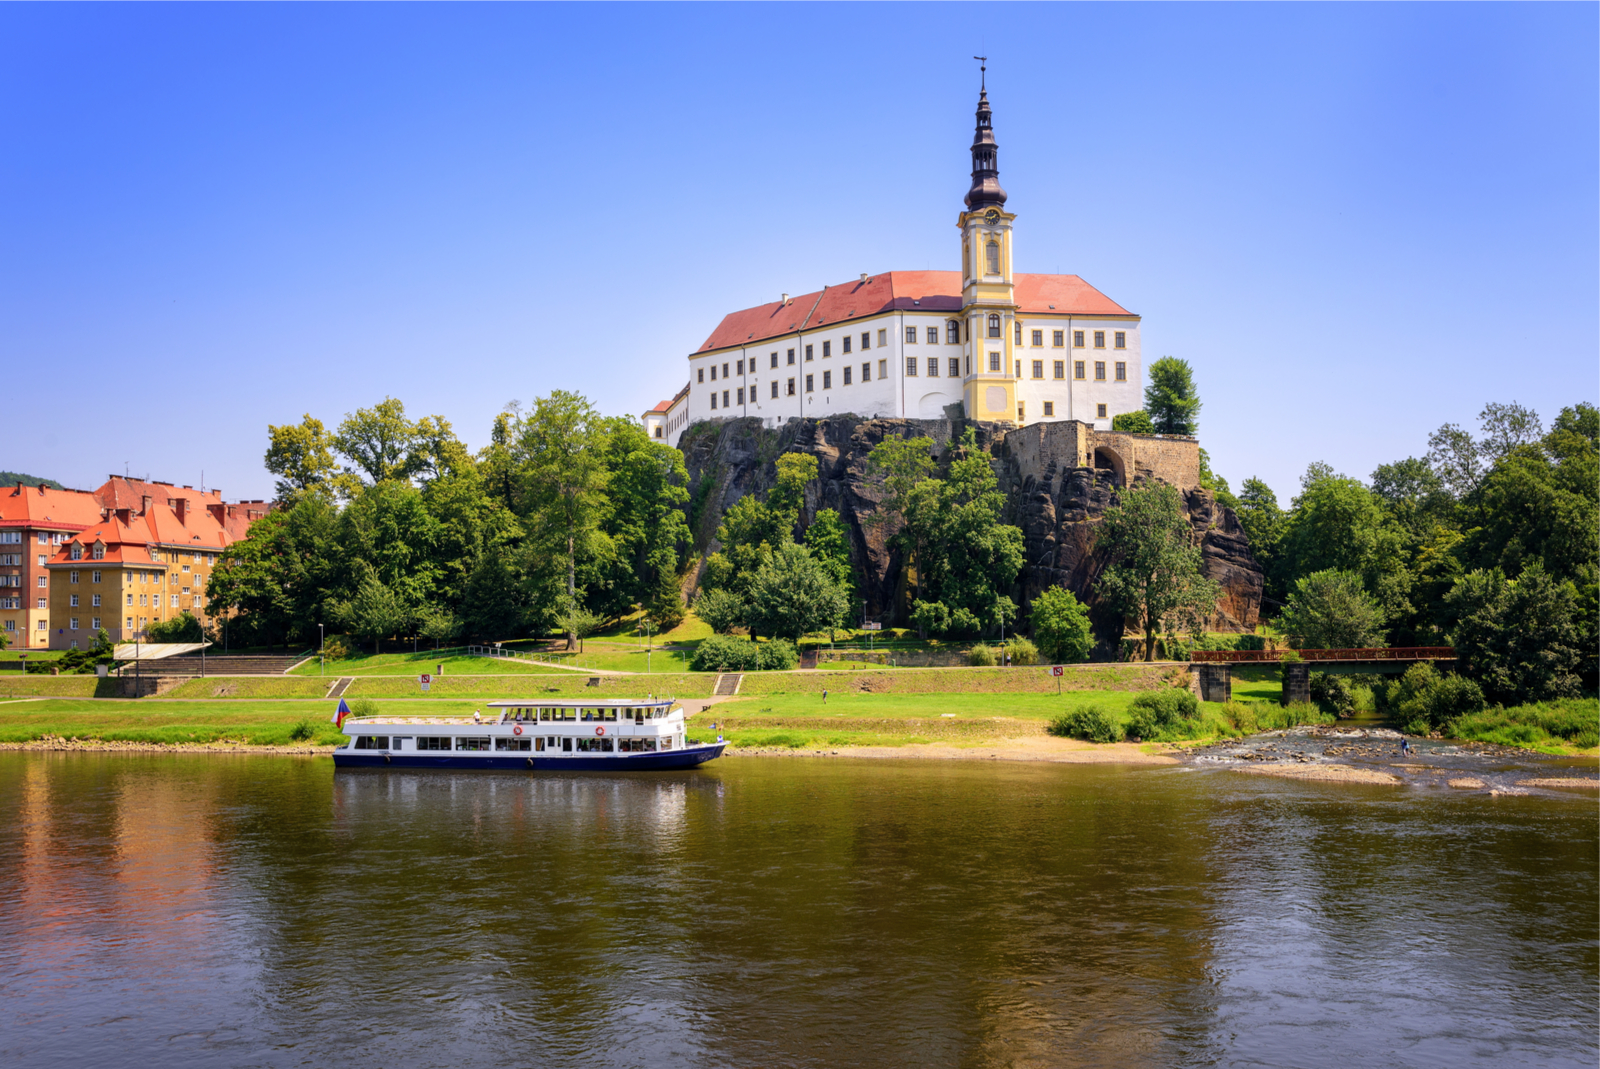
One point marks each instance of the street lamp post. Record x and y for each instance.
(322, 659)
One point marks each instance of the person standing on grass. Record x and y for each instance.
(824, 695)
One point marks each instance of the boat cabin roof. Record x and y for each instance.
(580, 703)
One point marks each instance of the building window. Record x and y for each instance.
(955, 367)
(827, 380)
(700, 375)
(808, 352)
(660, 431)
(774, 360)
(1120, 340)
(713, 373)
(1060, 369)
(1077, 369)
(72, 576)
(1018, 371)
(883, 369)
(129, 624)
(725, 370)
(969, 363)
(866, 340)
(94, 577)
(40, 603)
(994, 361)
(809, 387)
(1049, 408)
(911, 336)
(174, 601)
(1122, 371)
(952, 332)
(44, 539)
(95, 600)
(130, 601)
(1038, 338)
(741, 367)
(827, 349)
(713, 399)
(44, 625)
(1016, 332)
(791, 387)
(741, 395)
(846, 380)
(790, 361)
(911, 366)
(1058, 338)
(1038, 369)
(1099, 371)
(77, 552)
(72, 624)
(933, 367)
(992, 252)
(1077, 339)
(866, 372)
(1022, 412)
(74, 601)
(41, 581)
(994, 326)
(775, 389)
(1100, 411)
(94, 622)
(724, 398)
(1099, 339)
(844, 346)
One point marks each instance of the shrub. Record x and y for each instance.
(1021, 651)
(1087, 722)
(1574, 722)
(724, 653)
(779, 655)
(721, 610)
(1161, 715)
(363, 707)
(302, 731)
(1425, 702)
(336, 649)
(981, 657)
(1061, 626)
(1333, 693)
(1243, 716)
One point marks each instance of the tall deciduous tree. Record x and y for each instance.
(1332, 610)
(1061, 626)
(379, 441)
(1519, 638)
(301, 455)
(793, 594)
(374, 611)
(1171, 398)
(1155, 577)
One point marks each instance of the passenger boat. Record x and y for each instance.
(588, 735)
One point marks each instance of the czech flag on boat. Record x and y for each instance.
(339, 714)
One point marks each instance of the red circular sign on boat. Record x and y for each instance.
(599, 731)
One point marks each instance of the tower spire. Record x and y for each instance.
(986, 190)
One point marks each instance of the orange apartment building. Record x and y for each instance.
(125, 556)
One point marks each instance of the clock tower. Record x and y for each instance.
(988, 299)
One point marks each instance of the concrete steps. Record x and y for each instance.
(728, 685)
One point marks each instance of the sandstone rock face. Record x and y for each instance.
(1056, 504)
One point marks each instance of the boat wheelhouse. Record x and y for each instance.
(581, 735)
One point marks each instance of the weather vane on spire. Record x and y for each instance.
(983, 67)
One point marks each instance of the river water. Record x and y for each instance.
(267, 911)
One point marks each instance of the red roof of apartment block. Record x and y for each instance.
(924, 291)
(43, 507)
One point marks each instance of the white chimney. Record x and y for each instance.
(785, 298)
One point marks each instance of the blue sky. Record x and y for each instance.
(1357, 222)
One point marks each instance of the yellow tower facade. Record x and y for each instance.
(988, 297)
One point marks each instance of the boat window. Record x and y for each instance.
(666, 742)
(472, 744)
(372, 742)
(432, 743)
(601, 745)
(636, 745)
(398, 743)
(611, 714)
(566, 743)
(513, 744)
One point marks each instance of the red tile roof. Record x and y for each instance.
(923, 291)
(41, 506)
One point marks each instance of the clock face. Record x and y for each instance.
(991, 216)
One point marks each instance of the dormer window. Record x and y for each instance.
(77, 551)
(99, 551)
(994, 326)
(992, 253)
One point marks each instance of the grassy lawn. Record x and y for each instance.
(154, 720)
(1257, 684)
(413, 664)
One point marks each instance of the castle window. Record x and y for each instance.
(883, 338)
(724, 398)
(1120, 339)
(700, 375)
(791, 387)
(1018, 372)
(866, 372)
(1038, 338)
(713, 398)
(955, 367)
(1077, 369)
(1077, 339)
(1060, 369)
(827, 348)
(994, 361)
(775, 388)
(741, 367)
(933, 335)
(1100, 411)
(911, 336)
(952, 332)
(846, 376)
(827, 380)
(1049, 408)
(992, 252)
(809, 386)
(724, 370)
(1099, 371)
(1016, 333)
(1058, 338)
(1122, 371)
(883, 369)
(866, 340)
(741, 395)
(1022, 411)
(713, 373)
(1038, 369)
(1099, 339)
(933, 367)
(791, 357)
(844, 348)
(969, 364)
(808, 352)
(774, 359)
(659, 430)
(911, 366)
(994, 326)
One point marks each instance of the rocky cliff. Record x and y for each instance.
(1058, 507)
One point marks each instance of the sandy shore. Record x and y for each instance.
(1561, 781)
(1326, 773)
(1040, 748)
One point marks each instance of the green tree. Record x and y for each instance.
(751, 531)
(279, 577)
(1456, 459)
(301, 455)
(578, 621)
(1171, 398)
(904, 464)
(373, 612)
(1507, 427)
(1061, 626)
(1216, 483)
(1263, 521)
(1338, 524)
(1330, 610)
(1519, 638)
(829, 543)
(794, 595)
(379, 441)
(721, 610)
(1155, 576)
(1413, 494)
(181, 628)
(644, 520)
(438, 624)
(1133, 423)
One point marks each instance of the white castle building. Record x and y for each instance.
(981, 342)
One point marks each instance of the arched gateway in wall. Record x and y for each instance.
(1105, 457)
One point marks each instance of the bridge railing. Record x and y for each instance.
(1397, 653)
